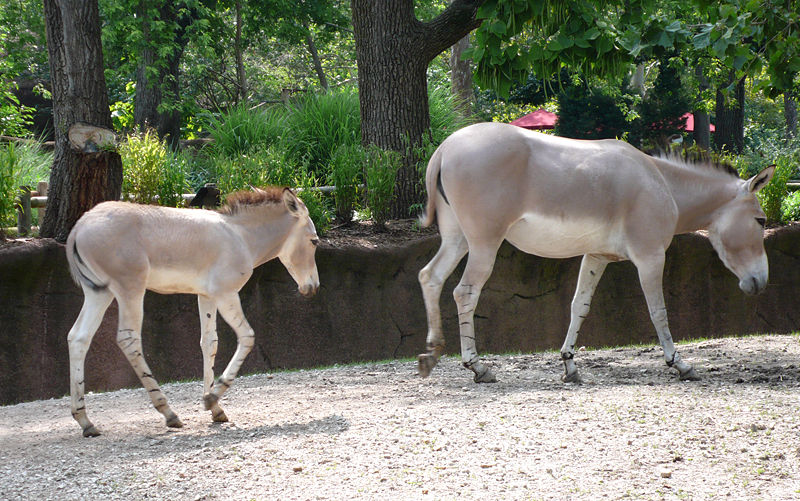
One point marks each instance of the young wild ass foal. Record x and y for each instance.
(119, 250)
(558, 198)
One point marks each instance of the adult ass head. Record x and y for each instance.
(119, 250)
(737, 233)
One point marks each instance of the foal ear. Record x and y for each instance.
(755, 183)
(295, 206)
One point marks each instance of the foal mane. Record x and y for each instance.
(697, 159)
(239, 200)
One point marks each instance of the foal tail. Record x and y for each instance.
(81, 273)
(433, 181)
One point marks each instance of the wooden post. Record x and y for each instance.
(41, 187)
(24, 211)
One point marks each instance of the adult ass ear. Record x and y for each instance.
(295, 206)
(755, 183)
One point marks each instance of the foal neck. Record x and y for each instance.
(263, 229)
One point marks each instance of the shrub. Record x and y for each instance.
(345, 173)
(772, 195)
(151, 173)
(24, 164)
(790, 207)
(318, 206)
(8, 186)
(380, 171)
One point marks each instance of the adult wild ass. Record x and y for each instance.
(119, 250)
(558, 198)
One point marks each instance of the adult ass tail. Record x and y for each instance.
(433, 181)
(80, 272)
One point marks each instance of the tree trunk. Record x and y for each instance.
(312, 49)
(461, 76)
(702, 122)
(729, 131)
(790, 114)
(241, 78)
(83, 175)
(393, 50)
(157, 80)
(148, 90)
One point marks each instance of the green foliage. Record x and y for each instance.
(151, 173)
(662, 109)
(772, 196)
(260, 167)
(589, 114)
(345, 173)
(8, 185)
(319, 123)
(380, 171)
(14, 118)
(122, 111)
(790, 207)
(444, 114)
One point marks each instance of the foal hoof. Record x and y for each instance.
(210, 400)
(91, 431)
(425, 364)
(219, 417)
(572, 377)
(174, 422)
(690, 375)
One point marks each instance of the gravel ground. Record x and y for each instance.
(378, 431)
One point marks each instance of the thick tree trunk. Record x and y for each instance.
(729, 131)
(157, 80)
(461, 76)
(86, 174)
(790, 114)
(393, 50)
(702, 122)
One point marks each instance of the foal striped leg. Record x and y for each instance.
(592, 268)
(129, 340)
(231, 310)
(95, 303)
(208, 344)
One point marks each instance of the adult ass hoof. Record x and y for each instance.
(174, 422)
(486, 376)
(91, 431)
(425, 364)
(572, 377)
(690, 375)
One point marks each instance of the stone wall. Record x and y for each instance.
(370, 307)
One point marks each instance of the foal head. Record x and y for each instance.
(300, 245)
(737, 234)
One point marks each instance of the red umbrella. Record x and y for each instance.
(690, 123)
(537, 120)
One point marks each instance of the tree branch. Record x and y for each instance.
(457, 20)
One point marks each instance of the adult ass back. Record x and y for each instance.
(558, 198)
(119, 250)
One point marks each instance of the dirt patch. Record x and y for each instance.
(377, 431)
(367, 234)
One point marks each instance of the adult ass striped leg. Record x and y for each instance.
(592, 268)
(432, 278)
(230, 308)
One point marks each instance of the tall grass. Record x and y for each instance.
(318, 124)
(22, 164)
(242, 130)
